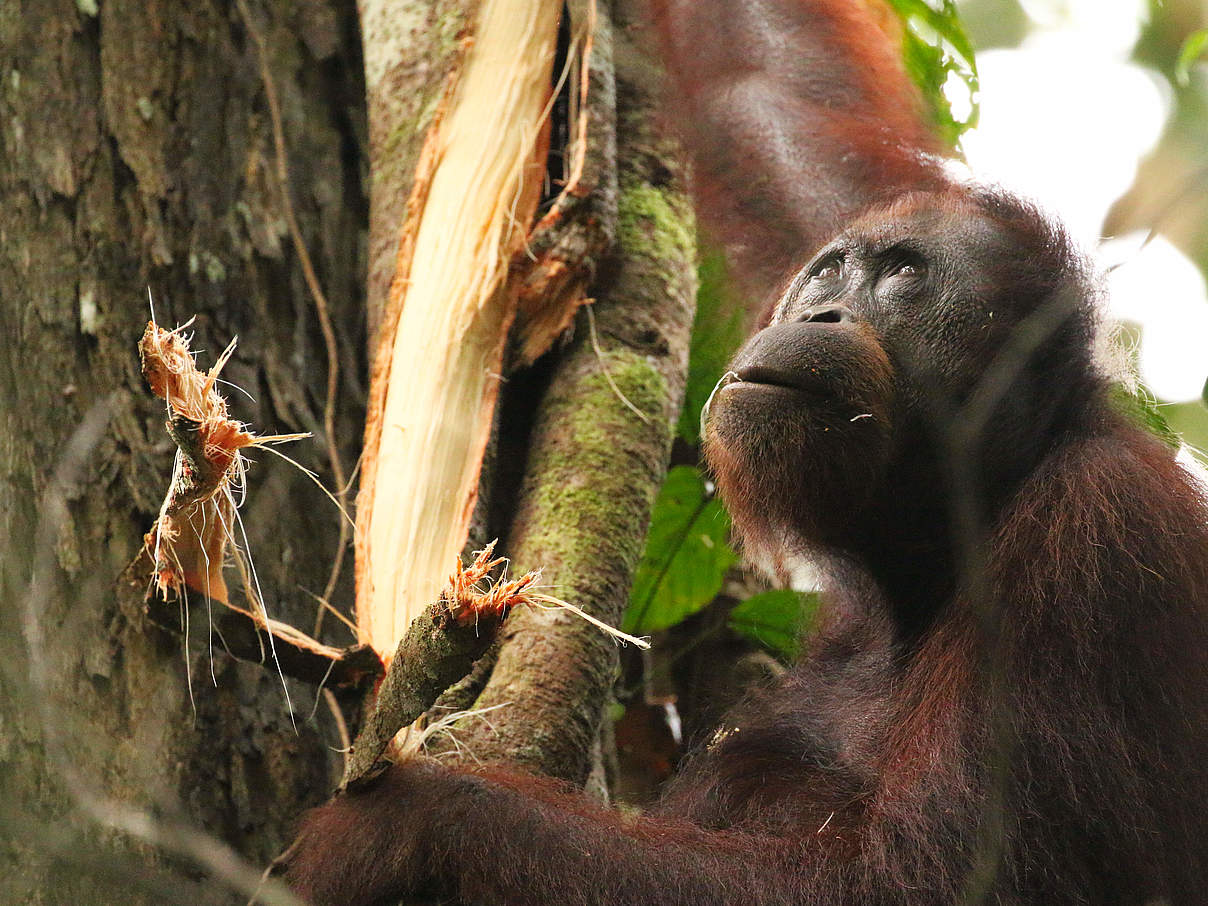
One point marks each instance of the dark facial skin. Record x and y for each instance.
(875, 357)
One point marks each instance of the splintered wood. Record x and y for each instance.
(188, 542)
(438, 649)
(437, 370)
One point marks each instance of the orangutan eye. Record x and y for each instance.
(825, 270)
(907, 267)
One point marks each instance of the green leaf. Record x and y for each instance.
(775, 619)
(1189, 421)
(1189, 53)
(716, 333)
(944, 21)
(686, 557)
(935, 50)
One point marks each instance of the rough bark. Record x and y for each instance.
(594, 465)
(136, 153)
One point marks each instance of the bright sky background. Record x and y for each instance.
(1065, 119)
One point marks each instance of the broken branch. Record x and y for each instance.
(187, 546)
(438, 649)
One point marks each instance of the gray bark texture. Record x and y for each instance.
(136, 153)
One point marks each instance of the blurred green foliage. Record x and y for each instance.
(1170, 189)
(935, 50)
(1190, 421)
(994, 23)
(775, 619)
(1189, 54)
(717, 333)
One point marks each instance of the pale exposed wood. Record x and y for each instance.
(439, 375)
(593, 464)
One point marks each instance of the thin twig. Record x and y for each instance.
(337, 715)
(595, 345)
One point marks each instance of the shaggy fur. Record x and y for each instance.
(1008, 700)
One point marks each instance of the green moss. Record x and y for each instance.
(403, 143)
(450, 25)
(215, 269)
(654, 224)
(595, 482)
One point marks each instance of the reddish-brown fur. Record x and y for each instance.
(798, 117)
(1008, 700)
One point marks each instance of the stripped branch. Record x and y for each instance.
(440, 351)
(245, 636)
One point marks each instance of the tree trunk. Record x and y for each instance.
(137, 153)
(142, 150)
